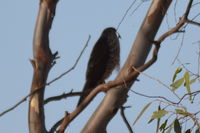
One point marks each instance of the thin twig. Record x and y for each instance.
(175, 5)
(125, 119)
(183, 65)
(153, 97)
(76, 62)
(179, 50)
(42, 86)
(165, 99)
(64, 95)
(14, 106)
(126, 14)
(195, 4)
(157, 80)
(136, 8)
(192, 93)
(193, 22)
(198, 69)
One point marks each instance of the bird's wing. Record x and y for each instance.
(98, 56)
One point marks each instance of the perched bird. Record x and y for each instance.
(104, 58)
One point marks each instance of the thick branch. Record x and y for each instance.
(42, 63)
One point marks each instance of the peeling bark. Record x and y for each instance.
(42, 63)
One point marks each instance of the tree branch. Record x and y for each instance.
(63, 96)
(124, 119)
(192, 22)
(76, 62)
(50, 82)
(105, 87)
(141, 47)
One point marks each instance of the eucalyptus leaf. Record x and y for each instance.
(188, 131)
(162, 127)
(141, 113)
(177, 127)
(177, 84)
(187, 83)
(182, 112)
(192, 81)
(158, 114)
(178, 70)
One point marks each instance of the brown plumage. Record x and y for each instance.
(104, 57)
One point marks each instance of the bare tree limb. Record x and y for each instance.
(192, 22)
(42, 63)
(64, 95)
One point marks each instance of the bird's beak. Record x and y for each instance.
(118, 35)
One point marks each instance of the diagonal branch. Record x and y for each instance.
(76, 62)
(105, 87)
(50, 82)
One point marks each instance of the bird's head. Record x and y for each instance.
(111, 31)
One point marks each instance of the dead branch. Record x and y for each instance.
(192, 22)
(63, 96)
(124, 119)
(42, 63)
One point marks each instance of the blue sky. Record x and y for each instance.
(73, 23)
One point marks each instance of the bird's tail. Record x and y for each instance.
(86, 90)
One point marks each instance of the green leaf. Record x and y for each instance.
(141, 113)
(188, 131)
(162, 127)
(192, 81)
(182, 112)
(150, 121)
(177, 84)
(178, 70)
(187, 83)
(158, 114)
(177, 127)
(197, 130)
(158, 121)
